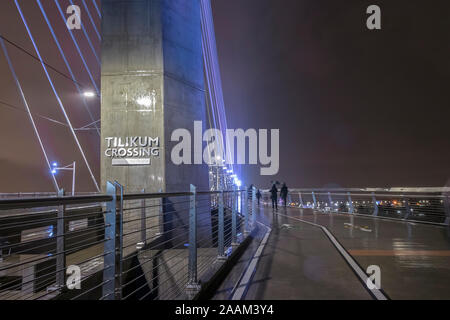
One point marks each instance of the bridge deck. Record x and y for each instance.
(300, 262)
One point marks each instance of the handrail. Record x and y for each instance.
(36, 202)
(10, 204)
(388, 190)
(218, 192)
(141, 196)
(378, 194)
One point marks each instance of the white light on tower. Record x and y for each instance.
(145, 101)
(89, 94)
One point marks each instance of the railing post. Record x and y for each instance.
(162, 221)
(234, 218)
(109, 265)
(60, 245)
(143, 224)
(447, 209)
(119, 240)
(350, 203)
(221, 245)
(245, 209)
(330, 200)
(300, 200)
(192, 287)
(239, 202)
(314, 200)
(375, 206)
(407, 209)
(253, 207)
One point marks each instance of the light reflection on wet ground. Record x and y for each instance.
(299, 263)
(414, 258)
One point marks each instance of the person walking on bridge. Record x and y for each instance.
(274, 197)
(258, 196)
(284, 193)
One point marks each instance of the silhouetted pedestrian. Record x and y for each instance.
(284, 193)
(274, 197)
(258, 196)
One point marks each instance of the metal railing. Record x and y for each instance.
(18, 195)
(414, 204)
(141, 246)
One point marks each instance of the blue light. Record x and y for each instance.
(50, 231)
(64, 57)
(96, 8)
(54, 164)
(54, 171)
(87, 38)
(78, 48)
(92, 20)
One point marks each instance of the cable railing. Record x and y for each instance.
(414, 204)
(140, 246)
(18, 195)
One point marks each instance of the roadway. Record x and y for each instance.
(299, 261)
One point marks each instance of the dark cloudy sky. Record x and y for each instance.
(354, 107)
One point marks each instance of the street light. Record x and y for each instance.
(70, 167)
(89, 94)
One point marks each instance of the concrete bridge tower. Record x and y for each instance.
(152, 83)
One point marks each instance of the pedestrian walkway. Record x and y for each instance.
(300, 261)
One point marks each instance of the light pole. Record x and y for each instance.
(70, 167)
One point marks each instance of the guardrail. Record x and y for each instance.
(142, 246)
(414, 204)
(18, 195)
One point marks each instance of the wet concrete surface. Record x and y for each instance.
(300, 263)
(414, 258)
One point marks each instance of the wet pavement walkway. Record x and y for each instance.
(300, 262)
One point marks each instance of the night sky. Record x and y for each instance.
(355, 108)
